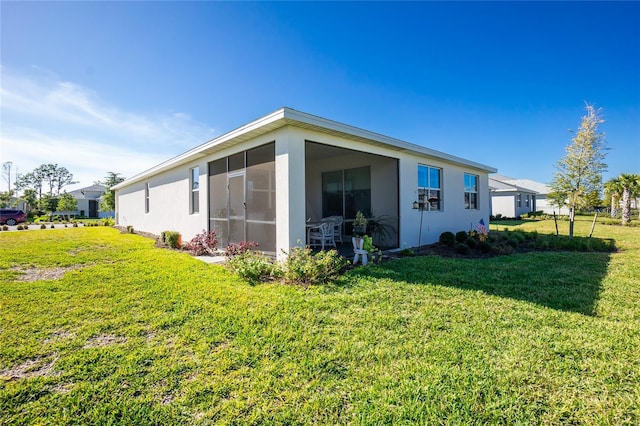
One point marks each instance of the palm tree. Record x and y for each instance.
(631, 187)
(614, 188)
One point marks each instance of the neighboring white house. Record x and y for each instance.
(515, 197)
(88, 202)
(265, 180)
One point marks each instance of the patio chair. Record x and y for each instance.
(337, 226)
(321, 235)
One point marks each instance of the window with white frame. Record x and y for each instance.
(470, 191)
(195, 190)
(518, 200)
(430, 187)
(146, 197)
(527, 201)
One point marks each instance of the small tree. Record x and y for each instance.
(614, 189)
(48, 204)
(579, 173)
(30, 199)
(108, 200)
(6, 198)
(67, 203)
(630, 188)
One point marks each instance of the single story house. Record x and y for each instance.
(88, 199)
(267, 179)
(516, 197)
(510, 200)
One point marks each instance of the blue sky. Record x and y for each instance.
(122, 86)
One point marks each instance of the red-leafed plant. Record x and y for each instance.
(204, 243)
(240, 248)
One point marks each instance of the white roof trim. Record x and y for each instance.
(288, 116)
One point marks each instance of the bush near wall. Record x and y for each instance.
(171, 238)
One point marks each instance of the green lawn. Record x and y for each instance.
(115, 331)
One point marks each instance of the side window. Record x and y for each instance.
(430, 187)
(470, 191)
(146, 197)
(195, 190)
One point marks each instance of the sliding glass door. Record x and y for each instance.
(344, 192)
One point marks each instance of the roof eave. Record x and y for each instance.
(288, 116)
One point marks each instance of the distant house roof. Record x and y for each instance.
(501, 182)
(90, 192)
(287, 116)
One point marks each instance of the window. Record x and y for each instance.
(195, 190)
(429, 187)
(518, 200)
(146, 197)
(470, 191)
(527, 200)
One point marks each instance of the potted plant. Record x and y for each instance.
(360, 224)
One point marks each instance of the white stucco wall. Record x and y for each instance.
(170, 191)
(504, 204)
(169, 203)
(453, 217)
(542, 203)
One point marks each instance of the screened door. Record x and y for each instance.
(237, 208)
(242, 198)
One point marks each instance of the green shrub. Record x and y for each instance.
(43, 226)
(517, 236)
(502, 249)
(484, 246)
(304, 267)
(75, 224)
(254, 266)
(52, 226)
(374, 252)
(447, 238)
(461, 236)
(172, 239)
(108, 221)
(461, 248)
(405, 252)
(513, 242)
(131, 230)
(5, 228)
(471, 242)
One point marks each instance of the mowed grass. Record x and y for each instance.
(116, 331)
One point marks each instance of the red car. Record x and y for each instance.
(12, 216)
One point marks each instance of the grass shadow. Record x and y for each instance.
(567, 281)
